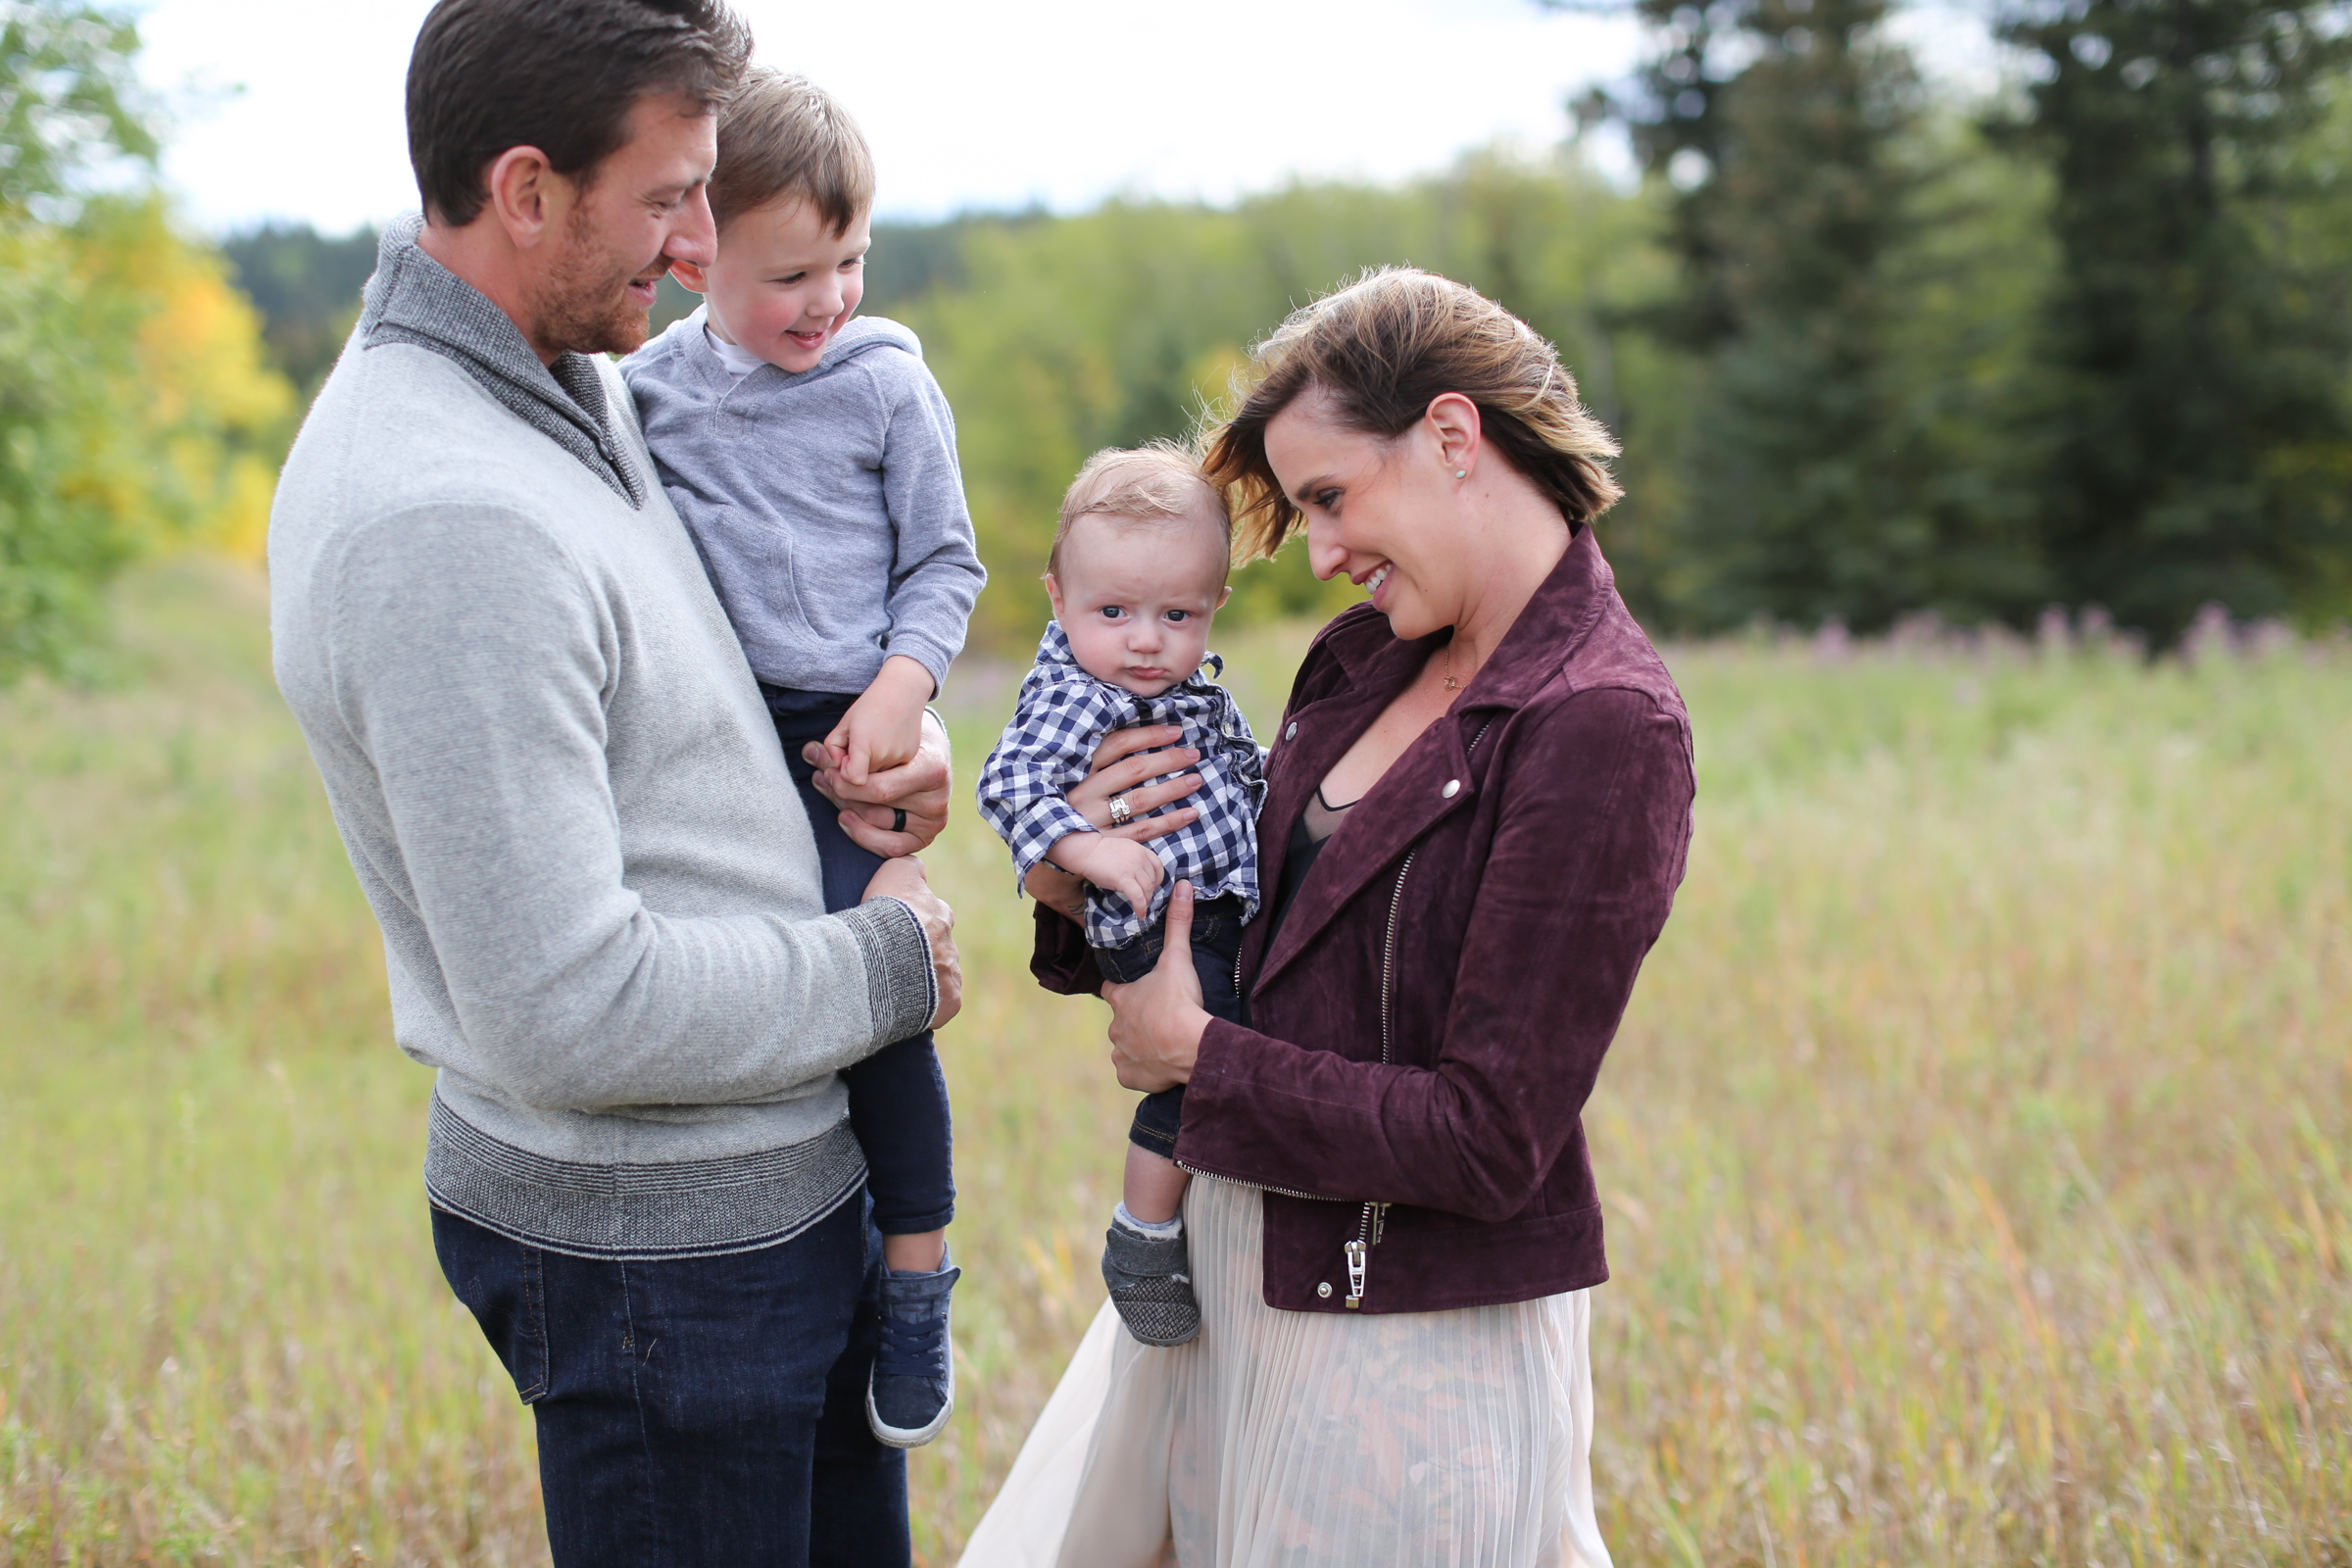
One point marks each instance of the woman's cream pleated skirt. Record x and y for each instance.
(1309, 1440)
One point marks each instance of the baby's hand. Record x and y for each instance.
(884, 728)
(1117, 866)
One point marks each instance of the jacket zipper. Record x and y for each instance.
(1358, 1250)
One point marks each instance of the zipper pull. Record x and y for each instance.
(1357, 1261)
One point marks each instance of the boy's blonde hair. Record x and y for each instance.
(784, 138)
(1147, 483)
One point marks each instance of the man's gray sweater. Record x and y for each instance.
(602, 909)
(827, 505)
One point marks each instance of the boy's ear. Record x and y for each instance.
(1224, 593)
(1054, 595)
(691, 276)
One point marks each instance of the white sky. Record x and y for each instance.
(292, 108)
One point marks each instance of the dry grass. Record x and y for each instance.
(1977, 1147)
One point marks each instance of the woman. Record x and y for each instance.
(1478, 804)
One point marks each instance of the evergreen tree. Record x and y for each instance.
(1789, 131)
(2186, 433)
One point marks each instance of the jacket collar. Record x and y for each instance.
(413, 299)
(1434, 777)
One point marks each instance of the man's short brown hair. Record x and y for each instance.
(1153, 482)
(561, 76)
(785, 139)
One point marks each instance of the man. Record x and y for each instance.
(601, 906)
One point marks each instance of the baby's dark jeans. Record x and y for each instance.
(1216, 956)
(897, 1099)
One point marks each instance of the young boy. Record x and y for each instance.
(1136, 577)
(812, 459)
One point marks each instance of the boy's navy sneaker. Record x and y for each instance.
(912, 1391)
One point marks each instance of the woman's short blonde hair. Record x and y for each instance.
(1156, 480)
(1384, 348)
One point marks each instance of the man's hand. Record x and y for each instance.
(883, 728)
(903, 879)
(1117, 866)
(920, 789)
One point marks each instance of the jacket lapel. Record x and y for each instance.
(1409, 800)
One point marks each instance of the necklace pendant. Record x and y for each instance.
(1452, 684)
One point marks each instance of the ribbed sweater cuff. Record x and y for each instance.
(901, 991)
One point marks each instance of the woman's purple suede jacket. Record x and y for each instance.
(1424, 1034)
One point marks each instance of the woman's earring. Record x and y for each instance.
(1461, 474)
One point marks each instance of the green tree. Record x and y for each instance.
(1054, 336)
(64, 107)
(1803, 165)
(136, 407)
(2188, 430)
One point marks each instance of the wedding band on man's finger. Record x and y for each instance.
(1119, 812)
(897, 819)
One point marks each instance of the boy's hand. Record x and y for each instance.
(898, 810)
(1118, 866)
(884, 728)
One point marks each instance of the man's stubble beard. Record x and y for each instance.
(580, 307)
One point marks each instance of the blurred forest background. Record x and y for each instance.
(1975, 1146)
(1874, 350)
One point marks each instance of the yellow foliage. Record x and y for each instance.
(207, 407)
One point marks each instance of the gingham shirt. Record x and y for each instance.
(1062, 715)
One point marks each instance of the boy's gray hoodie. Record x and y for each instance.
(827, 505)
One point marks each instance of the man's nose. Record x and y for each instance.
(693, 237)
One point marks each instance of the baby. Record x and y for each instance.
(812, 459)
(1136, 577)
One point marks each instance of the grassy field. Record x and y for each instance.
(1979, 1147)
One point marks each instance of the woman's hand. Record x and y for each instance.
(871, 810)
(1120, 765)
(1157, 1024)
(904, 879)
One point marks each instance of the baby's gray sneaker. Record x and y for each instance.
(1151, 1284)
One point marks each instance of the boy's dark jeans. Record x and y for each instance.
(897, 1097)
(1216, 956)
(701, 1410)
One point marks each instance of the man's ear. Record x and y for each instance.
(526, 193)
(691, 276)
(1054, 595)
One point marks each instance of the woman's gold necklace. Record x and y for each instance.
(1452, 684)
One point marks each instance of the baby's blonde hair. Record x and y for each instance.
(1154, 482)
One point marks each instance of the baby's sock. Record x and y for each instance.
(1159, 1229)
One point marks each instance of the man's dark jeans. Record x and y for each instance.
(691, 1411)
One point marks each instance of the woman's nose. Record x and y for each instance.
(1323, 555)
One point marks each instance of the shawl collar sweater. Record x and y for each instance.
(603, 915)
